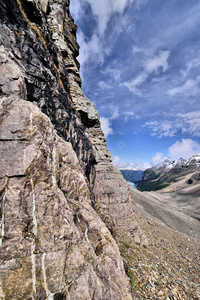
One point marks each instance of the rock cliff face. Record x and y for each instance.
(60, 196)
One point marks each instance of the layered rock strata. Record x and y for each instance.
(111, 192)
(60, 196)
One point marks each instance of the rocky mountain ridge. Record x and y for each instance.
(63, 205)
(168, 163)
(169, 171)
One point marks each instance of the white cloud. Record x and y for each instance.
(125, 24)
(137, 50)
(140, 3)
(129, 165)
(111, 108)
(153, 65)
(129, 115)
(113, 73)
(93, 45)
(184, 148)
(104, 9)
(157, 158)
(191, 122)
(133, 84)
(188, 123)
(106, 122)
(104, 85)
(76, 9)
(92, 49)
(194, 63)
(163, 128)
(116, 161)
(159, 79)
(115, 113)
(190, 88)
(159, 61)
(106, 126)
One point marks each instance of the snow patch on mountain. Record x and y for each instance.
(168, 163)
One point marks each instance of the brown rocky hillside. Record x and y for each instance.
(169, 268)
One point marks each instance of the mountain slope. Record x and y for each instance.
(132, 175)
(169, 267)
(163, 174)
(178, 182)
(155, 205)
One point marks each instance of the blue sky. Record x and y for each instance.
(140, 66)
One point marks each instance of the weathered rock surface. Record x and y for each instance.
(60, 196)
(53, 244)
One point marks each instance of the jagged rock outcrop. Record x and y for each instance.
(60, 195)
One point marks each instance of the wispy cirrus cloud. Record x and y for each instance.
(112, 72)
(161, 128)
(156, 64)
(137, 50)
(95, 45)
(188, 123)
(135, 83)
(115, 113)
(140, 3)
(191, 122)
(104, 85)
(191, 87)
(127, 115)
(192, 64)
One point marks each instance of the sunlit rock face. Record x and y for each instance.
(61, 199)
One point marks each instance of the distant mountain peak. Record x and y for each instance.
(166, 163)
(168, 171)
